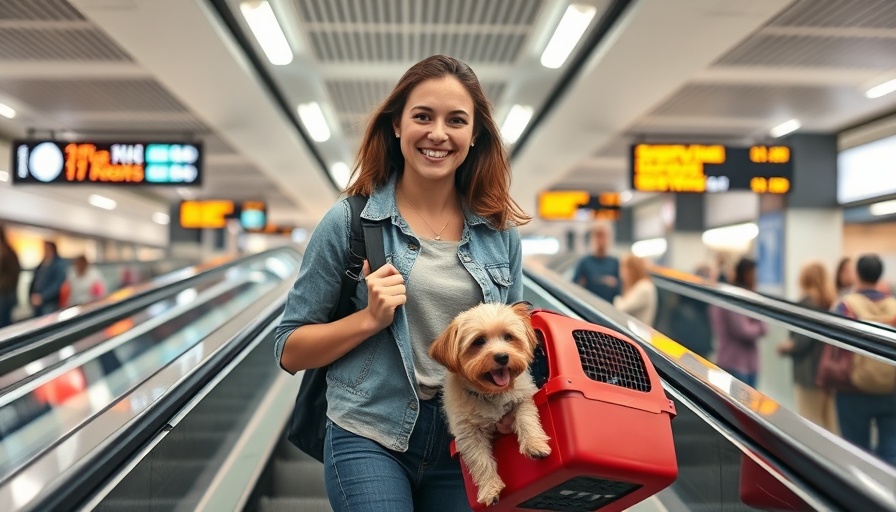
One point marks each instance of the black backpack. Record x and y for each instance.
(307, 427)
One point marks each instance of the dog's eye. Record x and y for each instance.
(507, 336)
(478, 342)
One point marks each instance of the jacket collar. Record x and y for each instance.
(381, 205)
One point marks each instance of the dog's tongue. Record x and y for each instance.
(501, 376)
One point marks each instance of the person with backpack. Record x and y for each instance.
(436, 172)
(874, 400)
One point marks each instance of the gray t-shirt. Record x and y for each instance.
(439, 287)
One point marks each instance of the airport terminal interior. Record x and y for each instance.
(711, 193)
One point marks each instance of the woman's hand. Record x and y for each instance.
(785, 347)
(385, 292)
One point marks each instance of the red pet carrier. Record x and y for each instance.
(602, 404)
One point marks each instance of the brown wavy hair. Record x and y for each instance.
(482, 180)
(818, 287)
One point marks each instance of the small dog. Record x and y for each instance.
(487, 350)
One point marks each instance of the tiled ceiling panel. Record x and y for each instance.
(758, 101)
(840, 13)
(400, 30)
(75, 43)
(354, 98)
(44, 10)
(440, 12)
(106, 95)
(814, 51)
(174, 125)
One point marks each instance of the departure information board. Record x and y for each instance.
(711, 168)
(107, 163)
(214, 214)
(567, 204)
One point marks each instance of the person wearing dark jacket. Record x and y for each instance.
(47, 282)
(814, 403)
(9, 279)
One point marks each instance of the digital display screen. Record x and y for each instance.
(572, 204)
(214, 214)
(711, 168)
(107, 163)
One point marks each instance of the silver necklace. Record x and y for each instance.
(437, 233)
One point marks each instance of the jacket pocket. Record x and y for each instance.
(500, 274)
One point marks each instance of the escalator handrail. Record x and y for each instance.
(870, 339)
(60, 327)
(107, 457)
(842, 473)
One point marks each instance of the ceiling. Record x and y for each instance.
(658, 69)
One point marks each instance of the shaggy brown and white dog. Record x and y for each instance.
(487, 350)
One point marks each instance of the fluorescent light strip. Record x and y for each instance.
(313, 119)
(102, 202)
(4, 176)
(161, 218)
(734, 236)
(883, 208)
(7, 111)
(567, 34)
(649, 248)
(267, 31)
(881, 90)
(341, 174)
(515, 122)
(785, 128)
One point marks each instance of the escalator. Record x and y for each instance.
(205, 430)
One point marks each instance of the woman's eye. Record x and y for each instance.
(421, 117)
(459, 121)
(478, 342)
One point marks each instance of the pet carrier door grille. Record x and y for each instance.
(611, 360)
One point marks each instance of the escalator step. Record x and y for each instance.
(299, 478)
(293, 504)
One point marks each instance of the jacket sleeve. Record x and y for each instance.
(56, 275)
(745, 329)
(316, 290)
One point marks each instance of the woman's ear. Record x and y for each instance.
(444, 349)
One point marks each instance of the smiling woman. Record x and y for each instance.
(434, 168)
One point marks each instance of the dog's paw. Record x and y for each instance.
(488, 493)
(536, 449)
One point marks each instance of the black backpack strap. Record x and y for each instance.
(365, 242)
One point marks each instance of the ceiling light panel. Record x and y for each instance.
(79, 43)
(852, 13)
(107, 95)
(267, 31)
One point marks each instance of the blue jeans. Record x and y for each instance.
(363, 476)
(856, 411)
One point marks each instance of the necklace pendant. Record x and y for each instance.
(438, 237)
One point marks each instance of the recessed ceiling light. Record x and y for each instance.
(160, 218)
(785, 128)
(7, 111)
(515, 122)
(266, 29)
(881, 90)
(883, 208)
(313, 119)
(567, 34)
(102, 202)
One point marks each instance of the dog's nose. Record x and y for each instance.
(502, 358)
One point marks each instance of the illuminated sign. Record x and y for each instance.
(567, 205)
(107, 163)
(711, 168)
(214, 214)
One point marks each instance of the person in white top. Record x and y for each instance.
(85, 283)
(639, 297)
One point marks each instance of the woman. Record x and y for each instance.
(638, 297)
(433, 163)
(737, 335)
(85, 282)
(845, 277)
(814, 403)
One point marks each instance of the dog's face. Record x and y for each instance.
(488, 345)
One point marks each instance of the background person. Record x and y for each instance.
(49, 275)
(639, 296)
(9, 279)
(599, 272)
(85, 283)
(813, 403)
(737, 335)
(433, 163)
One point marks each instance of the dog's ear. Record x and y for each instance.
(523, 308)
(444, 349)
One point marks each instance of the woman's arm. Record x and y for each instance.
(635, 300)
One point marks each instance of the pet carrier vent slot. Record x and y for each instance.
(611, 360)
(580, 494)
(539, 366)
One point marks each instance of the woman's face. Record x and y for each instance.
(436, 128)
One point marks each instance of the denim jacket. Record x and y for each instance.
(367, 393)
